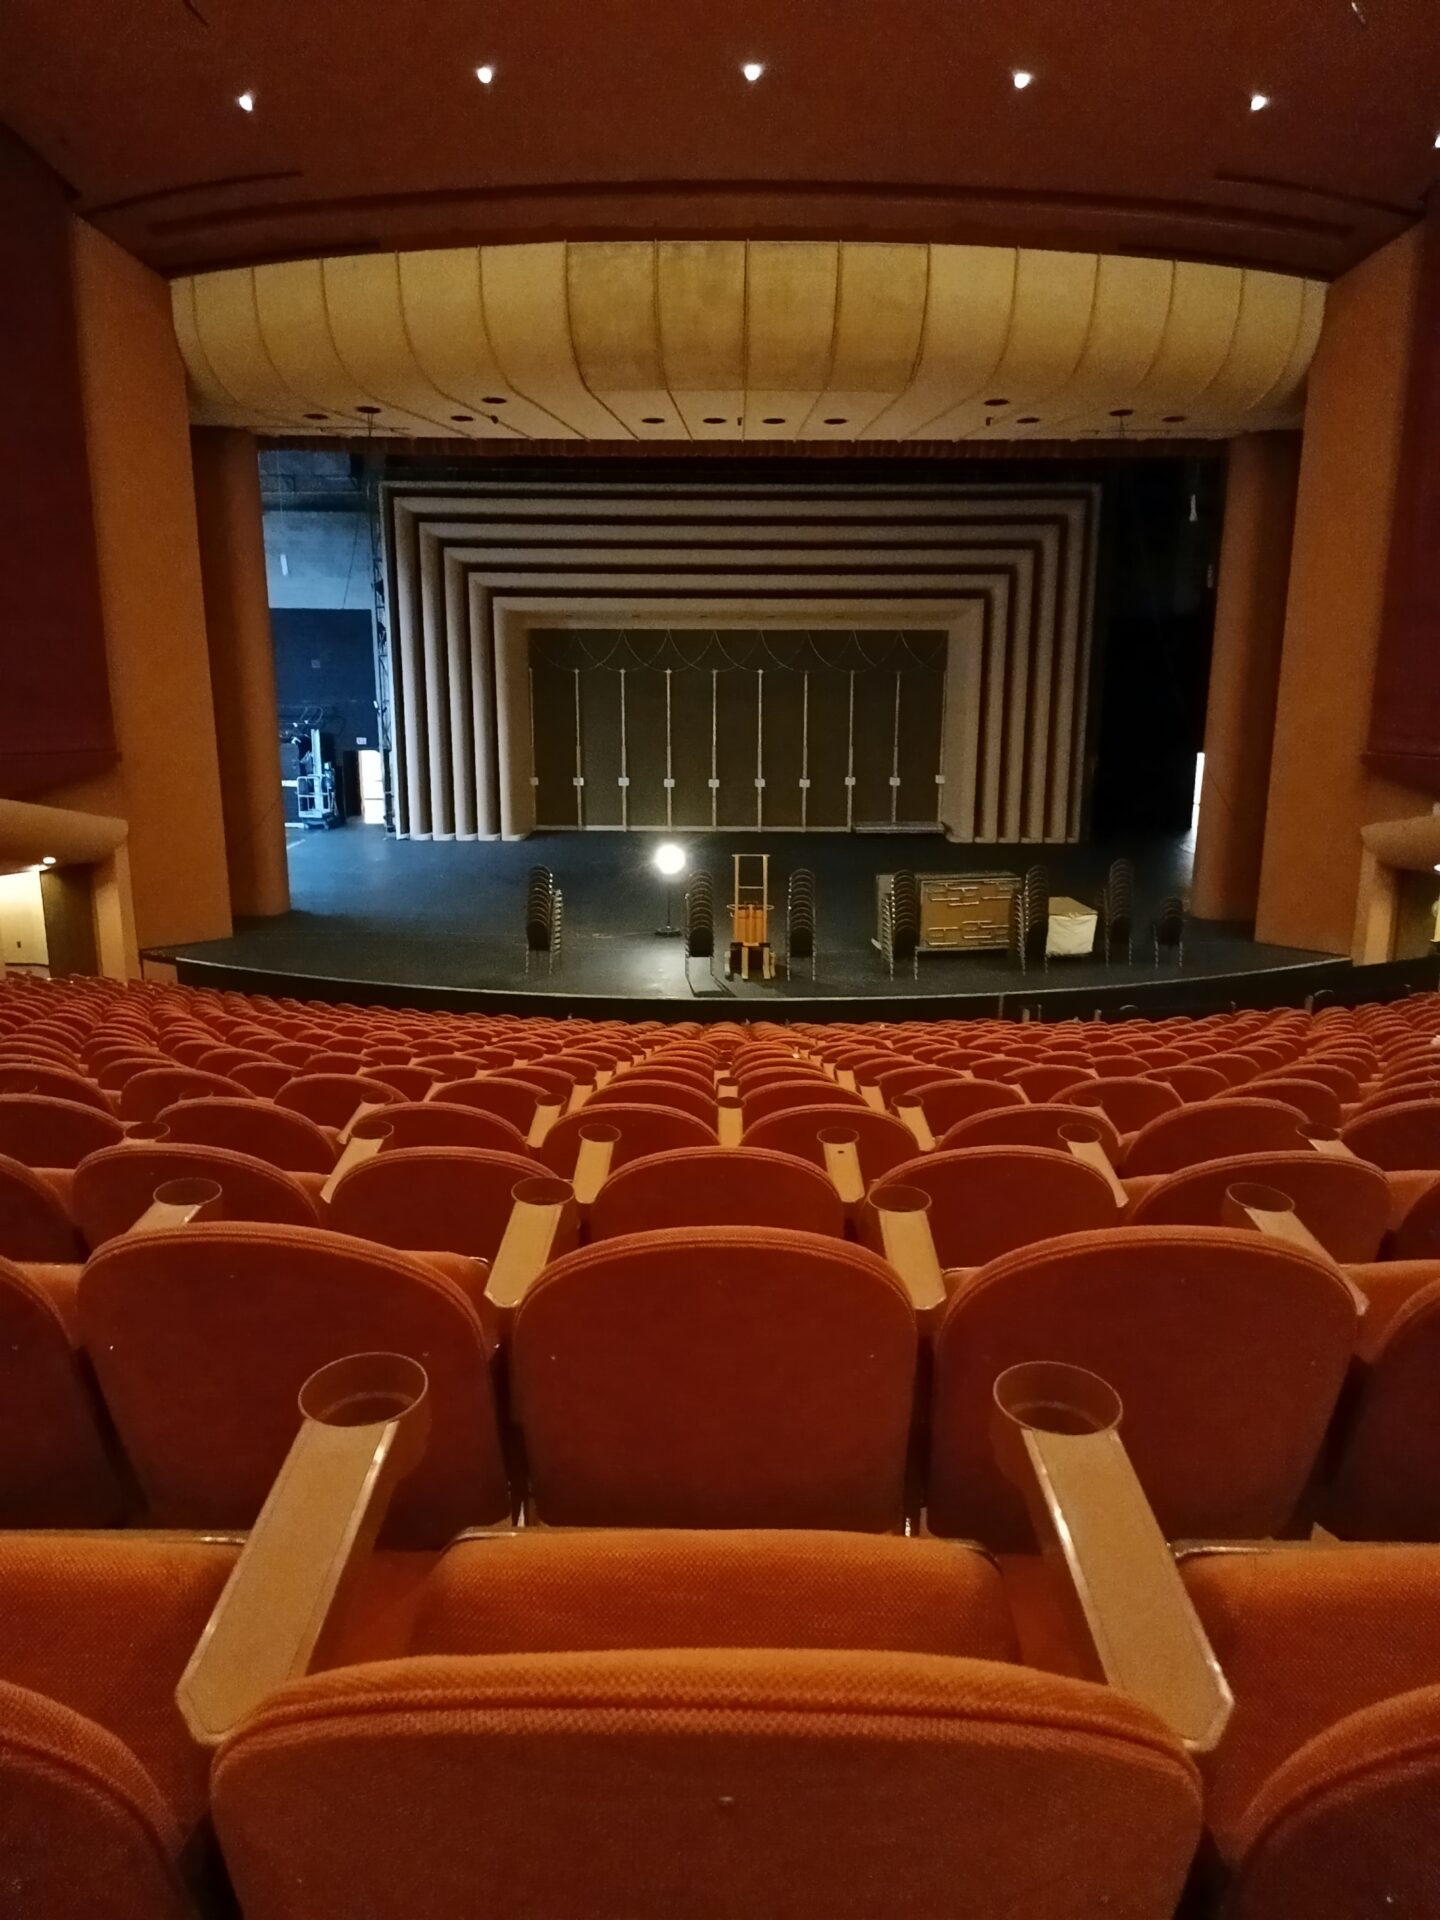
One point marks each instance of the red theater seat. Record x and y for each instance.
(203, 1336)
(55, 1467)
(1227, 1349)
(985, 1201)
(731, 1376)
(113, 1188)
(41, 1132)
(432, 1199)
(254, 1127)
(716, 1187)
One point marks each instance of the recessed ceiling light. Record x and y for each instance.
(462, 419)
(836, 420)
(752, 70)
(1259, 102)
(492, 399)
(485, 74)
(245, 101)
(1021, 79)
(47, 859)
(997, 403)
(1437, 139)
(1028, 420)
(652, 420)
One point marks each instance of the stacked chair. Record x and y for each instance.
(1115, 931)
(544, 917)
(900, 923)
(700, 920)
(1167, 930)
(800, 920)
(551, 1466)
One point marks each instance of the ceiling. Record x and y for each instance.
(766, 340)
(613, 118)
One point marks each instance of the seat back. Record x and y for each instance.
(1398, 1137)
(1344, 1203)
(285, 1140)
(1319, 1103)
(1038, 1126)
(579, 1590)
(113, 1188)
(731, 1376)
(41, 1132)
(1386, 1485)
(882, 1141)
(801, 1090)
(1276, 1615)
(1227, 1349)
(984, 1201)
(1214, 1130)
(33, 1223)
(1348, 1823)
(330, 1099)
(202, 1337)
(643, 1129)
(827, 1785)
(84, 1833)
(1128, 1102)
(435, 1199)
(55, 1467)
(20, 1076)
(147, 1094)
(681, 1096)
(716, 1187)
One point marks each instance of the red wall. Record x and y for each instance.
(1405, 712)
(54, 696)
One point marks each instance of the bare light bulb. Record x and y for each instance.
(485, 74)
(1021, 79)
(752, 70)
(245, 101)
(669, 859)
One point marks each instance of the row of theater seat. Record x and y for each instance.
(703, 1723)
(652, 1724)
(624, 1390)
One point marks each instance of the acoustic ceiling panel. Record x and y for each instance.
(770, 340)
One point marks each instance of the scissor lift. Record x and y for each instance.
(750, 918)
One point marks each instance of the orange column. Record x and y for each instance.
(242, 667)
(1321, 792)
(167, 783)
(1264, 470)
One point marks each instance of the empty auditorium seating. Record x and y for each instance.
(1345, 1203)
(716, 1187)
(1183, 1323)
(286, 1140)
(56, 1468)
(40, 1131)
(880, 1141)
(433, 1199)
(34, 1223)
(202, 1337)
(113, 1187)
(743, 1376)
(714, 1781)
(1211, 1131)
(988, 1200)
(83, 1830)
(637, 1128)
(1331, 1653)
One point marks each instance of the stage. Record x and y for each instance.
(415, 922)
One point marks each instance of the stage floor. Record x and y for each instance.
(371, 909)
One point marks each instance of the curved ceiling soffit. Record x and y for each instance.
(747, 341)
